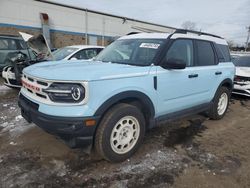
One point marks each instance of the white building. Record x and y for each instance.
(69, 25)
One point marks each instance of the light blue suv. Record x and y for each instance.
(134, 84)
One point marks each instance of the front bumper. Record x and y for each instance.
(10, 78)
(241, 89)
(73, 130)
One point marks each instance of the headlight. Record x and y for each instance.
(65, 92)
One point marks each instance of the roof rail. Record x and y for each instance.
(185, 31)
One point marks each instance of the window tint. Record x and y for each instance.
(181, 50)
(224, 50)
(85, 54)
(7, 44)
(205, 53)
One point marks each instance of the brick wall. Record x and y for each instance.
(58, 39)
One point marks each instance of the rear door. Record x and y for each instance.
(206, 66)
(179, 89)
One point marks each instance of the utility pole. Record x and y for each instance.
(247, 38)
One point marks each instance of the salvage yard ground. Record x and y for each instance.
(191, 152)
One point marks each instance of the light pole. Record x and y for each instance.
(247, 38)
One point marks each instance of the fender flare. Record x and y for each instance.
(143, 98)
(227, 81)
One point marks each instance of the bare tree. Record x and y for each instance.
(231, 44)
(189, 25)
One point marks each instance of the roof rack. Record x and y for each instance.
(185, 31)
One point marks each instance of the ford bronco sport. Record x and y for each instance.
(134, 84)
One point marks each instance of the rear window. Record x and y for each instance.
(205, 53)
(224, 52)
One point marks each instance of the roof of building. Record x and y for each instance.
(102, 13)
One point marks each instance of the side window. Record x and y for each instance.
(205, 54)
(181, 49)
(99, 50)
(85, 54)
(91, 53)
(8, 44)
(12, 44)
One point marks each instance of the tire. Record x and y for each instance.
(220, 103)
(120, 133)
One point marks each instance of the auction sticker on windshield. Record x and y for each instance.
(149, 45)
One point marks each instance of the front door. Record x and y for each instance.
(178, 89)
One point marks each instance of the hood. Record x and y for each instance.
(83, 70)
(38, 44)
(243, 71)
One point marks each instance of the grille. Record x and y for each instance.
(35, 87)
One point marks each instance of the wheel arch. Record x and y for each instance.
(228, 83)
(137, 98)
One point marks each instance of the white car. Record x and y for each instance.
(76, 52)
(242, 75)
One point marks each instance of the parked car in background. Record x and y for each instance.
(11, 44)
(242, 75)
(76, 52)
(38, 47)
(134, 84)
(37, 50)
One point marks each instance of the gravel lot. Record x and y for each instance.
(191, 152)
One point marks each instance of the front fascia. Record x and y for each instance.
(101, 90)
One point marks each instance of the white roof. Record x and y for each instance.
(200, 37)
(175, 36)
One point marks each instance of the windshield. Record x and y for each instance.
(243, 61)
(61, 53)
(131, 51)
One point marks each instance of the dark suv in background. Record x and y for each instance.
(9, 44)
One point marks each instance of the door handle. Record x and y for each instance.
(192, 75)
(218, 73)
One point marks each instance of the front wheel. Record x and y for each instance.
(120, 133)
(220, 103)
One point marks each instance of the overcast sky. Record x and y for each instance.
(228, 18)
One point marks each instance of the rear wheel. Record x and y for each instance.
(120, 132)
(220, 103)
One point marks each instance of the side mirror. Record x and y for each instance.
(174, 64)
(73, 58)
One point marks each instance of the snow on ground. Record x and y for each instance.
(15, 127)
(11, 122)
(4, 88)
